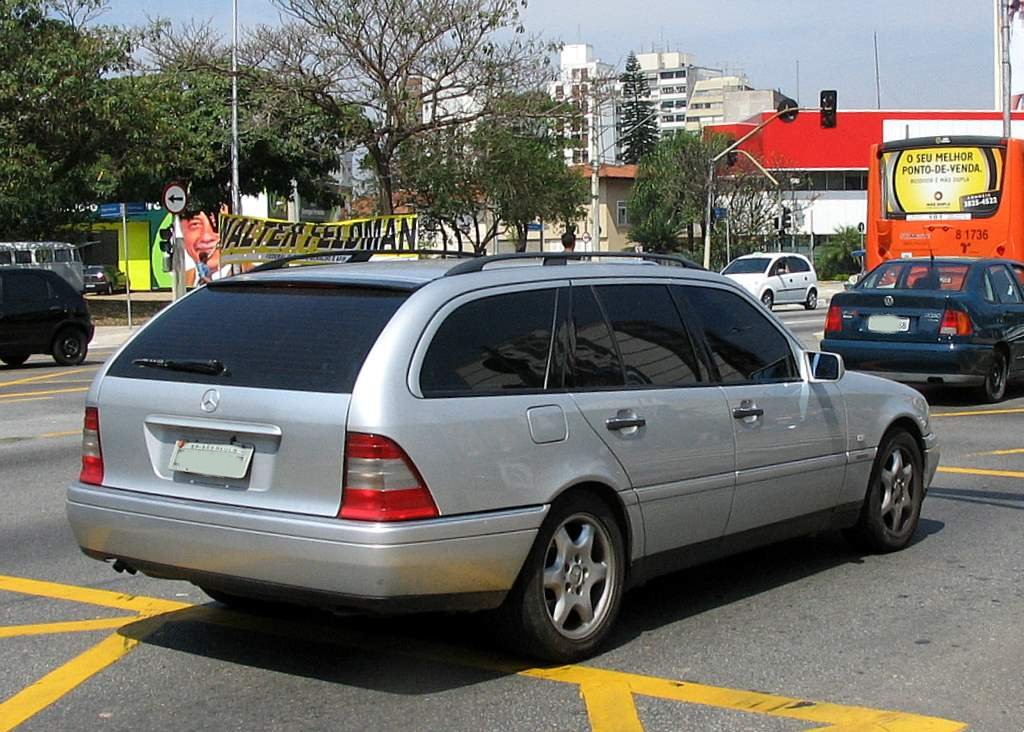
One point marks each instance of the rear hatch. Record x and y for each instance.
(901, 301)
(888, 315)
(239, 395)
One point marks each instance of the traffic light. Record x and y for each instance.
(788, 109)
(786, 219)
(167, 247)
(166, 240)
(828, 108)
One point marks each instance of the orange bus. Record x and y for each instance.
(957, 195)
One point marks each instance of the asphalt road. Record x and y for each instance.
(797, 636)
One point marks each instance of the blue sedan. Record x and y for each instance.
(942, 320)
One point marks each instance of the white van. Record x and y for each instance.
(56, 256)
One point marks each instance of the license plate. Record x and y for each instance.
(217, 460)
(888, 324)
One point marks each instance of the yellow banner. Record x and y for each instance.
(247, 239)
(943, 180)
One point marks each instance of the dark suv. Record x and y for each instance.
(41, 313)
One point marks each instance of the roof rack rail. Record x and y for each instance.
(477, 264)
(350, 256)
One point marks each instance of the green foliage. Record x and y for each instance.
(59, 117)
(79, 125)
(507, 172)
(834, 258)
(670, 191)
(639, 125)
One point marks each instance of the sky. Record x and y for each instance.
(935, 54)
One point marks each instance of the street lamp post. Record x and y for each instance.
(784, 111)
(236, 194)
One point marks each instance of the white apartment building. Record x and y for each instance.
(591, 86)
(671, 76)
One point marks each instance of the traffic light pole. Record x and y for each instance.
(711, 174)
(178, 261)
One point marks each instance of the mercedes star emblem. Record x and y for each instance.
(210, 400)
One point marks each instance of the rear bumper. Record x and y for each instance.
(917, 363)
(448, 563)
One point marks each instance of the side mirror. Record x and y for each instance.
(824, 367)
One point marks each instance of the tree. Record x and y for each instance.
(58, 113)
(408, 68)
(836, 256)
(670, 192)
(639, 126)
(472, 181)
(279, 144)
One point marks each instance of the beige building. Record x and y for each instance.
(707, 103)
(614, 191)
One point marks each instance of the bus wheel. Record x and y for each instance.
(14, 359)
(69, 347)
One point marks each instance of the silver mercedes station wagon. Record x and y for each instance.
(485, 434)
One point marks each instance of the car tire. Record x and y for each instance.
(109, 290)
(568, 593)
(812, 299)
(892, 506)
(994, 387)
(69, 347)
(14, 359)
(768, 299)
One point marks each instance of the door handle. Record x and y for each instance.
(622, 423)
(743, 412)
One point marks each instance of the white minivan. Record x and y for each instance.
(776, 278)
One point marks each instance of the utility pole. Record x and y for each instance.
(1004, 33)
(595, 174)
(236, 194)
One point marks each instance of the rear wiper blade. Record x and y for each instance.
(210, 366)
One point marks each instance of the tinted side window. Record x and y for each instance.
(595, 362)
(495, 344)
(798, 265)
(26, 287)
(5, 258)
(745, 345)
(23, 257)
(654, 345)
(1002, 285)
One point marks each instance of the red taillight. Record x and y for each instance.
(955, 322)
(92, 454)
(381, 483)
(834, 320)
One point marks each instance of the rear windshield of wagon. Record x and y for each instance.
(271, 337)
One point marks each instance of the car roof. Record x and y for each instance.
(411, 275)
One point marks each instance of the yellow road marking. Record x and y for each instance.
(71, 626)
(980, 412)
(41, 393)
(145, 606)
(981, 471)
(44, 377)
(608, 695)
(29, 399)
(33, 699)
(58, 434)
(1014, 451)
